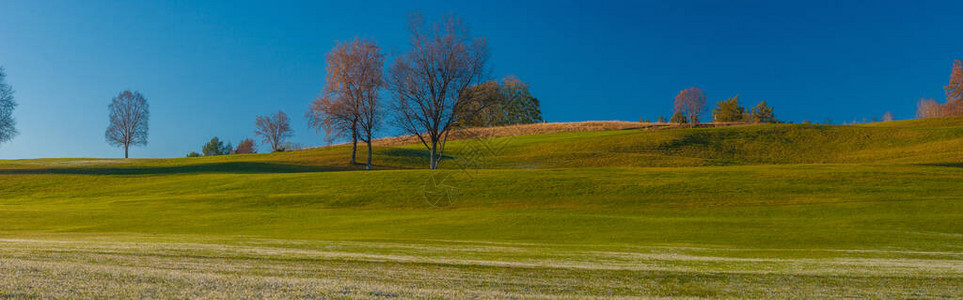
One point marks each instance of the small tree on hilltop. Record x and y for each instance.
(888, 116)
(661, 119)
(245, 147)
(274, 130)
(729, 111)
(678, 118)
(762, 113)
(216, 147)
(129, 114)
(691, 102)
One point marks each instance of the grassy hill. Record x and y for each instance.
(745, 211)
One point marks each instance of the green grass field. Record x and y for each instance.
(763, 211)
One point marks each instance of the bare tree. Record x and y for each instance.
(335, 118)
(129, 114)
(274, 130)
(431, 82)
(691, 102)
(8, 125)
(350, 103)
(888, 116)
(928, 108)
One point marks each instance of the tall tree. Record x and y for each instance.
(691, 102)
(729, 110)
(8, 125)
(274, 130)
(431, 81)
(350, 101)
(129, 114)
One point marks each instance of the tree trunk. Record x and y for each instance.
(125, 151)
(369, 154)
(354, 143)
(433, 159)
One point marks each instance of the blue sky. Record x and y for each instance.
(209, 68)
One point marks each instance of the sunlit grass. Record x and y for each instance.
(755, 211)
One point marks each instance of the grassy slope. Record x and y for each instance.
(886, 187)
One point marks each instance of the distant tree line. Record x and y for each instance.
(440, 84)
(690, 104)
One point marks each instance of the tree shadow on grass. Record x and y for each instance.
(951, 165)
(222, 167)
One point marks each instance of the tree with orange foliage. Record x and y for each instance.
(350, 101)
(954, 91)
(691, 102)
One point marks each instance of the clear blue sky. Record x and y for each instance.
(208, 68)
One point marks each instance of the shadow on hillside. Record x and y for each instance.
(951, 165)
(224, 167)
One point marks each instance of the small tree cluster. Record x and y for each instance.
(216, 147)
(678, 118)
(502, 103)
(729, 110)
